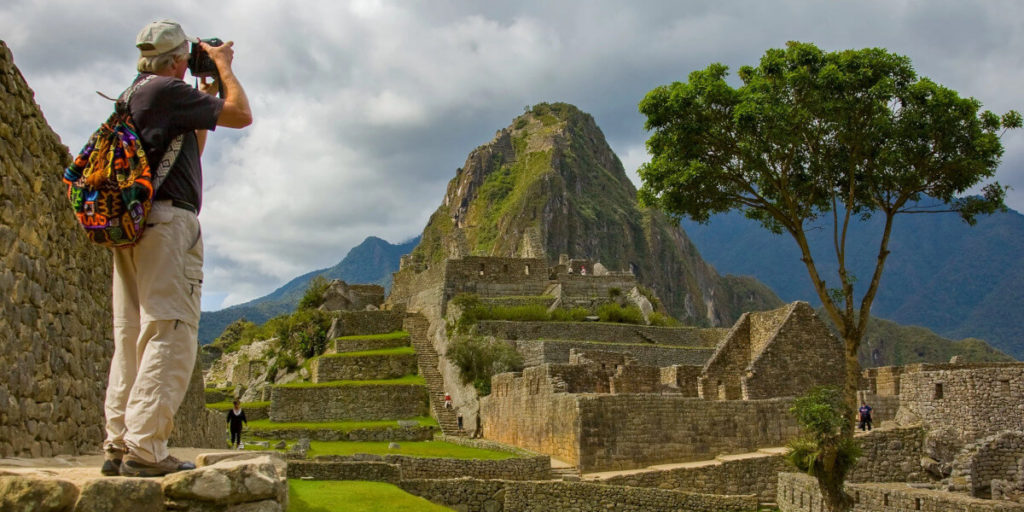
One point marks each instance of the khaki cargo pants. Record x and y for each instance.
(157, 286)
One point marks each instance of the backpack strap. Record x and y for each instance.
(160, 172)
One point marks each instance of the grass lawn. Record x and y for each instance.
(351, 496)
(389, 336)
(344, 426)
(397, 351)
(229, 404)
(415, 380)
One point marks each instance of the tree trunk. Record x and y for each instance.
(853, 373)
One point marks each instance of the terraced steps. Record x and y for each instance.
(349, 400)
(385, 363)
(359, 343)
(421, 428)
(427, 358)
(537, 352)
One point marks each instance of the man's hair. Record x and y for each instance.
(164, 60)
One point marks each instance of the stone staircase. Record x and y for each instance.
(569, 474)
(427, 358)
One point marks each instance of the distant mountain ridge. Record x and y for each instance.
(370, 262)
(960, 281)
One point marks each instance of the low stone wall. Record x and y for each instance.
(601, 331)
(471, 495)
(350, 323)
(343, 345)
(369, 367)
(374, 471)
(232, 482)
(799, 493)
(538, 352)
(413, 468)
(682, 377)
(890, 455)
(356, 403)
(997, 457)
(362, 434)
(748, 475)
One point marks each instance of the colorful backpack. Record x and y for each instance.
(111, 184)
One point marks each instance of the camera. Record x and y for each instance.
(201, 65)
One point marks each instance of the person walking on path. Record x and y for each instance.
(236, 417)
(157, 282)
(864, 413)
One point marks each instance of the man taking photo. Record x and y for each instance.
(158, 281)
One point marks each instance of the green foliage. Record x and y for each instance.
(438, 449)
(386, 336)
(237, 334)
(314, 296)
(342, 426)
(303, 332)
(478, 360)
(612, 312)
(614, 293)
(659, 320)
(569, 315)
(227, 405)
(408, 380)
(827, 449)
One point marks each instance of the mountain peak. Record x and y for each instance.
(549, 184)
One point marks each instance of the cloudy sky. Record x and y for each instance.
(364, 109)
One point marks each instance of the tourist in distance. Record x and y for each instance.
(447, 401)
(864, 414)
(236, 417)
(157, 282)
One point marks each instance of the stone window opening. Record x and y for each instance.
(481, 269)
(885, 499)
(917, 503)
(938, 391)
(527, 270)
(1004, 387)
(504, 269)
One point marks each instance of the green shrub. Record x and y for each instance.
(612, 312)
(569, 315)
(314, 295)
(614, 292)
(660, 320)
(478, 360)
(303, 332)
(827, 449)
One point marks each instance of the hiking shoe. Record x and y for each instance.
(112, 456)
(133, 465)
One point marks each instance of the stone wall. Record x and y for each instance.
(343, 345)
(748, 475)
(602, 331)
(488, 277)
(414, 468)
(798, 355)
(367, 367)
(799, 493)
(997, 457)
(537, 352)
(632, 431)
(55, 331)
(501, 496)
(635, 379)
(525, 412)
(721, 379)
(976, 400)
(682, 377)
(194, 425)
(890, 455)
(395, 433)
(552, 409)
(368, 470)
(355, 403)
(350, 323)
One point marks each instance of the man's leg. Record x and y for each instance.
(169, 259)
(125, 363)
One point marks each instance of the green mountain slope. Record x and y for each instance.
(549, 184)
(370, 262)
(957, 280)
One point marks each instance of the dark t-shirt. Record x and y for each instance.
(163, 109)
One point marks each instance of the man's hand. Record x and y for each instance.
(212, 87)
(222, 55)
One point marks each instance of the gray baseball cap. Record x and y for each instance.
(161, 37)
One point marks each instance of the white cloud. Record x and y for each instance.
(364, 109)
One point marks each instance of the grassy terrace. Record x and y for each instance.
(424, 449)
(324, 496)
(408, 380)
(389, 336)
(396, 351)
(342, 426)
(228, 404)
(617, 344)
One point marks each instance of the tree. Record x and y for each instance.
(812, 135)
